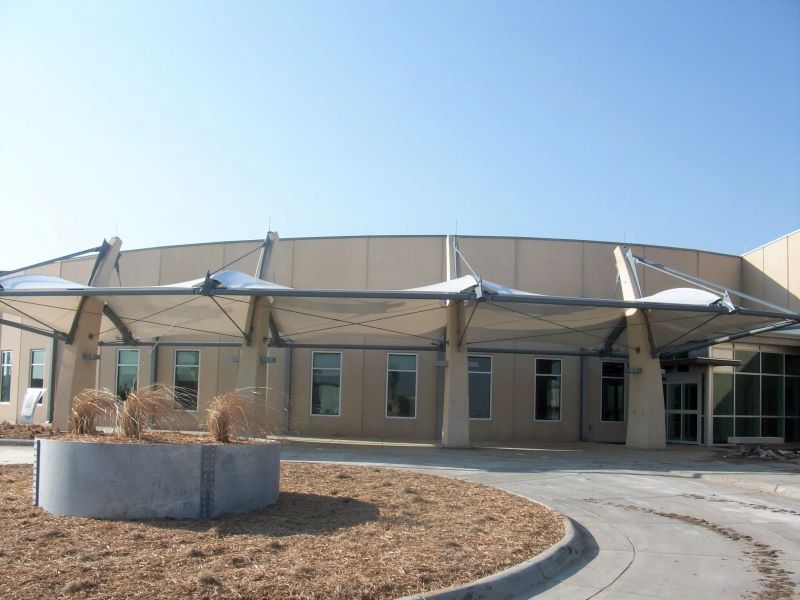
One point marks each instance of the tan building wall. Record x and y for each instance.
(10, 341)
(562, 267)
(772, 272)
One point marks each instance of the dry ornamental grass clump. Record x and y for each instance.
(87, 406)
(142, 409)
(146, 408)
(234, 414)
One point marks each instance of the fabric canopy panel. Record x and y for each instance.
(148, 317)
(189, 310)
(220, 305)
(677, 318)
(499, 322)
(52, 312)
(308, 319)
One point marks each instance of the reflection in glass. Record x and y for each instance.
(401, 392)
(326, 383)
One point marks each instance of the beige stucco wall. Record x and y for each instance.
(772, 272)
(586, 269)
(10, 340)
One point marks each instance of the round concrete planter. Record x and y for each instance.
(148, 481)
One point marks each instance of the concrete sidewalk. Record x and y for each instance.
(695, 462)
(679, 523)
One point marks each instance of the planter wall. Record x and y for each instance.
(147, 481)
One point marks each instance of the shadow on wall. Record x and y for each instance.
(767, 273)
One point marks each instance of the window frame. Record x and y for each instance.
(624, 389)
(491, 384)
(175, 375)
(3, 366)
(386, 414)
(560, 388)
(781, 376)
(42, 364)
(311, 412)
(117, 366)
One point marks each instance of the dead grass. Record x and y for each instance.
(233, 414)
(382, 534)
(86, 407)
(146, 408)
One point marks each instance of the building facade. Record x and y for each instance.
(522, 394)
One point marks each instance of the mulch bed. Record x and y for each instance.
(29, 432)
(9, 431)
(337, 531)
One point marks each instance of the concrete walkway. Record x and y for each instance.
(679, 523)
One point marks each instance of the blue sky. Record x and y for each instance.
(662, 122)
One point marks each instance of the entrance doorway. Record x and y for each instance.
(683, 412)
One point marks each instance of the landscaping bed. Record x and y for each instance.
(9, 431)
(336, 532)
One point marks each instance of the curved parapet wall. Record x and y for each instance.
(148, 481)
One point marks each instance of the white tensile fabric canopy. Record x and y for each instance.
(219, 305)
(19, 296)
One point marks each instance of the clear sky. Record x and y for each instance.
(662, 122)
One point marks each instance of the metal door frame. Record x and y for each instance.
(683, 379)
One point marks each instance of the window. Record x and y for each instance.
(401, 386)
(5, 376)
(127, 372)
(326, 383)
(480, 387)
(760, 397)
(792, 398)
(37, 371)
(613, 391)
(547, 390)
(187, 377)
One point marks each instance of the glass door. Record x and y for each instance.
(683, 413)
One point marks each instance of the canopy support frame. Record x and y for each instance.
(615, 334)
(708, 285)
(127, 336)
(466, 326)
(51, 261)
(61, 334)
(104, 247)
(698, 345)
(52, 333)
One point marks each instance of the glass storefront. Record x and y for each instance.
(758, 398)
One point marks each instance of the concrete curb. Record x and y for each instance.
(519, 579)
(13, 442)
